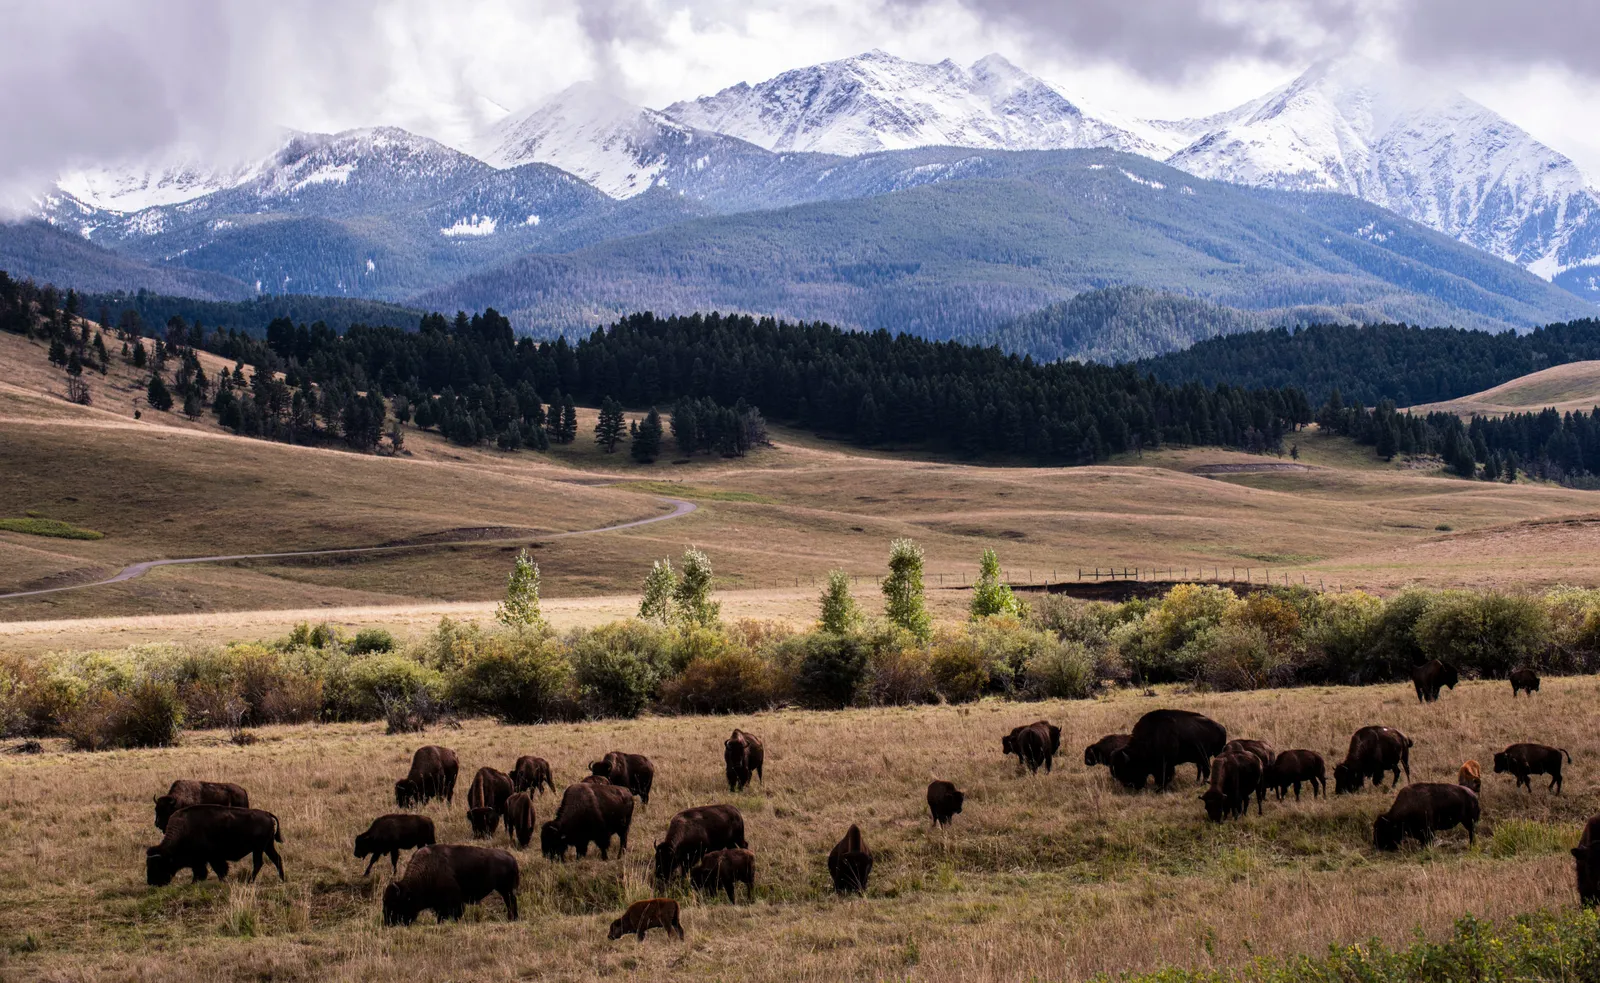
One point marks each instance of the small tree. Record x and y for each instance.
(569, 422)
(659, 587)
(520, 609)
(902, 590)
(156, 393)
(990, 595)
(78, 390)
(647, 439)
(610, 428)
(839, 611)
(139, 358)
(692, 595)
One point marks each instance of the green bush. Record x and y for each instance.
(732, 680)
(149, 714)
(1488, 633)
(900, 676)
(829, 670)
(1574, 644)
(518, 680)
(1170, 642)
(1339, 635)
(1394, 648)
(617, 667)
(370, 640)
(1061, 671)
(354, 687)
(959, 668)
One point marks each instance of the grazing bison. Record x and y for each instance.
(1430, 677)
(433, 776)
(742, 755)
(944, 801)
(213, 836)
(1523, 760)
(1100, 752)
(1525, 680)
(486, 800)
(850, 863)
(1423, 809)
(633, 772)
(588, 813)
(186, 792)
(1235, 776)
(1295, 767)
(693, 833)
(1164, 739)
(529, 774)
(725, 870)
(520, 820)
(1373, 751)
(391, 834)
(1470, 776)
(445, 879)
(642, 916)
(1034, 744)
(1586, 858)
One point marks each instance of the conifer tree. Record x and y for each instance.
(569, 421)
(58, 352)
(839, 612)
(520, 609)
(647, 438)
(610, 427)
(138, 354)
(991, 595)
(156, 393)
(902, 590)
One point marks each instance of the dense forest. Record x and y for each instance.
(1119, 324)
(1403, 364)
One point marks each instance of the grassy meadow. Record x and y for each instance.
(1057, 877)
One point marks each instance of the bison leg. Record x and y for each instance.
(256, 857)
(376, 856)
(1555, 783)
(510, 898)
(200, 873)
(394, 862)
(272, 855)
(676, 926)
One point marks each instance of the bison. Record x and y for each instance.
(1295, 767)
(432, 776)
(1470, 776)
(445, 879)
(742, 756)
(1429, 677)
(642, 916)
(725, 870)
(633, 772)
(390, 834)
(1525, 680)
(1586, 859)
(588, 813)
(486, 800)
(530, 774)
(187, 792)
(1235, 776)
(1164, 739)
(850, 863)
(1523, 760)
(213, 836)
(1423, 809)
(1034, 744)
(1373, 751)
(1100, 752)
(944, 801)
(695, 832)
(520, 820)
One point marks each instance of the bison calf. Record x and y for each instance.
(1034, 745)
(944, 801)
(530, 774)
(642, 916)
(445, 879)
(391, 834)
(1470, 776)
(1586, 858)
(850, 863)
(1235, 776)
(1100, 752)
(1525, 680)
(1523, 760)
(1295, 767)
(725, 870)
(1423, 809)
(520, 819)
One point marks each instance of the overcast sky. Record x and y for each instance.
(87, 80)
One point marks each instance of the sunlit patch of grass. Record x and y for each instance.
(54, 528)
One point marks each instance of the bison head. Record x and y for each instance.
(1091, 756)
(1346, 779)
(1008, 744)
(407, 793)
(551, 843)
(1448, 675)
(1055, 738)
(956, 798)
(484, 821)
(601, 767)
(158, 868)
(399, 907)
(1127, 769)
(1216, 804)
(166, 805)
(1587, 862)
(1386, 833)
(1502, 762)
(616, 930)
(363, 847)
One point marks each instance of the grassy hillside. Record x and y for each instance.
(1574, 386)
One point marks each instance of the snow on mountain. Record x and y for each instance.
(1401, 141)
(876, 102)
(135, 186)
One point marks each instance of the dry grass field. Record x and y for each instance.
(1574, 386)
(1056, 877)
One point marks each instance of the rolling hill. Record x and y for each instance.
(1564, 388)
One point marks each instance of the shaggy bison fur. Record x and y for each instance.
(212, 836)
(1523, 760)
(530, 774)
(432, 776)
(390, 834)
(486, 800)
(588, 813)
(725, 870)
(187, 792)
(1470, 776)
(1525, 680)
(1373, 751)
(642, 916)
(1423, 809)
(520, 820)
(445, 879)
(1100, 752)
(850, 863)
(1235, 776)
(1586, 860)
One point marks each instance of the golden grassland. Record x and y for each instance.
(1055, 877)
(1569, 387)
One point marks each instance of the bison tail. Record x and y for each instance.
(1568, 754)
(277, 829)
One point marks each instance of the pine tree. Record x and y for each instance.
(58, 352)
(685, 427)
(902, 590)
(647, 438)
(192, 406)
(520, 610)
(552, 420)
(692, 595)
(839, 612)
(610, 427)
(659, 587)
(138, 354)
(569, 421)
(991, 595)
(156, 393)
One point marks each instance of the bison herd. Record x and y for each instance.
(208, 825)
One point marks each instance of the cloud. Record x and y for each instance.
(1554, 33)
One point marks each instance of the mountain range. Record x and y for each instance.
(875, 192)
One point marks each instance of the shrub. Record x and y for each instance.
(371, 640)
(1491, 633)
(148, 715)
(959, 669)
(1394, 648)
(692, 594)
(520, 609)
(1241, 656)
(354, 688)
(1072, 620)
(838, 611)
(830, 669)
(17, 679)
(517, 680)
(1574, 640)
(1061, 671)
(450, 644)
(902, 590)
(900, 676)
(617, 667)
(1166, 644)
(732, 680)
(1006, 644)
(307, 635)
(1340, 637)
(990, 595)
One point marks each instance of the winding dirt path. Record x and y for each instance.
(680, 508)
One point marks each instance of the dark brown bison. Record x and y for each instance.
(850, 863)
(1034, 744)
(1586, 859)
(1525, 680)
(187, 792)
(1100, 752)
(391, 834)
(588, 813)
(1373, 751)
(692, 834)
(1164, 739)
(633, 772)
(530, 774)
(642, 916)
(725, 870)
(445, 879)
(1430, 677)
(1292, 768)
(520, 820)
(1523, 760)
(433, 776)
(742, 756)
(213, 836)
(1262, 750)
(1423, 809)
(486, 800)
(944, 801)
(1470, 776)
(1235, 776)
